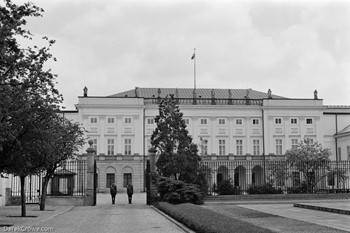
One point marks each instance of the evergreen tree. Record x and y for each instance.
(178, 155)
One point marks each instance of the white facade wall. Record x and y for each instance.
(257, 128)
(284, 120)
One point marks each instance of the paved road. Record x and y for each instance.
(105, 217)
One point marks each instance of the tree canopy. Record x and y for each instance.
(27, 90)
(178, 155)
(32, 137)
(309, 158)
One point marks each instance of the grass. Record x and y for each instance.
(203, 220)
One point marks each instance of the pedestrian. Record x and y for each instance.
(113, 191)
(130, 191)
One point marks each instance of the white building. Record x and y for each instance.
(227, 124)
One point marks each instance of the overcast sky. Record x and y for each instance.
(291, 47)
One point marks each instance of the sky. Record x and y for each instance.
(110, 46)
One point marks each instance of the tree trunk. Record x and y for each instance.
(44, 192)
(23, 196)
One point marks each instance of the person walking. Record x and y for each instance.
(129, 191)
(113, 191)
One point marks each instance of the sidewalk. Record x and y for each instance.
(11, 215)
(333, 220)
(104, 217)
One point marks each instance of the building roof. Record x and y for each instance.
(344, 131)
(188, 93)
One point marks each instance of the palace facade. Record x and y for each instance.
(227, 124)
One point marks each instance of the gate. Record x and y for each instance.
(32, 188)
(95, 183)
(148, 183)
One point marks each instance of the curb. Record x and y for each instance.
(322, 208)
(180, 225)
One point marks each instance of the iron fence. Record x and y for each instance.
(68, 180)
(283, 177)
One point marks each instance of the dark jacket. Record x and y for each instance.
(113, 190)
(130, 189)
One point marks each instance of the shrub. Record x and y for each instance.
(302, 188)
(176, 191)
(263, 189)
(226, 188)
(203, 220)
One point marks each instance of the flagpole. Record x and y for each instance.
(194, 67)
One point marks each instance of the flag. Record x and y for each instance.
(193, 56)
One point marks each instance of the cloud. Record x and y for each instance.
(111, 46)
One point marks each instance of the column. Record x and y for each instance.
(89, 193)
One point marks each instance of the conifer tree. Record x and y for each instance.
(178, 155)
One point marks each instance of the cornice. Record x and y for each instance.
(321, 108)
(82, 106)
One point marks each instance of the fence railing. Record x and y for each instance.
(68, 180)
(208, 101)
(244, 176)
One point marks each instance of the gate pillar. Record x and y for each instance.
(152, 196)
(90, 163)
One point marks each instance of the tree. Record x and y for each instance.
(309, 159)
(178, 156)
(60, 146)
(28, 95)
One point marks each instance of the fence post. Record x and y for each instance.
(152, 196)
(89, 194)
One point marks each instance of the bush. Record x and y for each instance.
(263, 189)
(302, 188)
(226, 188)
(176, 191)
(202, 220)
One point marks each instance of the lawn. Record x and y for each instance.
(203, 220)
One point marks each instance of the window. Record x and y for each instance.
(204, 146)
(110, 179)
(348, 150)
(278, 146)
(278, 121)
(149, 145)
(94, 145)
(93, 120)
(255, 121)
(222, 147)
(239, 121)
(239, 147)
(187, 121)
(294, 121)
(150, 121)
(110, 146)
(222, 121)
(127, 146)
(308, 121)
(294, 144)
(256, 147)
(331, 179)
(127, 120)
(110, 120)
(127, 179)
(204, 121)
(296, 178)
